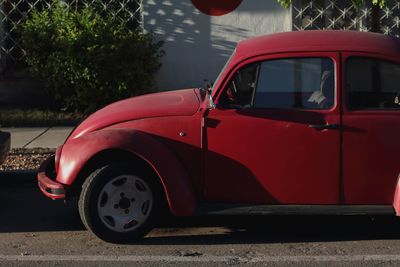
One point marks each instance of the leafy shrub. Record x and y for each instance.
(86, 60)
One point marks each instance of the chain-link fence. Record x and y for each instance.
(14, 12)
(342, 14)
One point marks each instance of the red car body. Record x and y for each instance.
(341, 158)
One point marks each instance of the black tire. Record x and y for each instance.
(90, 203)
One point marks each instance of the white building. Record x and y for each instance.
(198, 44)
(200, 35)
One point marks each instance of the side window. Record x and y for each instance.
(240, 90)
(301, 83)
(372, 84)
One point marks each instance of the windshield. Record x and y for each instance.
(223, 70)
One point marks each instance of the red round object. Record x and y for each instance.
(216, 7)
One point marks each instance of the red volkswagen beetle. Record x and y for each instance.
(299, 122)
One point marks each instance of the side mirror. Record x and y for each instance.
(211, 104)
(208, 85)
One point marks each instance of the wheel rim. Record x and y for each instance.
(125, 203)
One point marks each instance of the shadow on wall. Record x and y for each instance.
(186, 32)
(197, 45)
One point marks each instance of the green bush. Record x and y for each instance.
(86, 60)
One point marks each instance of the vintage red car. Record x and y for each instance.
(296, 123)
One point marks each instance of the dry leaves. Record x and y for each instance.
(25, 159)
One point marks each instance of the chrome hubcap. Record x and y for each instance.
(125, 203)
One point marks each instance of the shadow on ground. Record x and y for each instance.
(24, 209)
(279, 229)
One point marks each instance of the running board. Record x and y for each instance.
(232, 209)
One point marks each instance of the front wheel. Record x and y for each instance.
(119, 204)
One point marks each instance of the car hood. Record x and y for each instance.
(172, 103)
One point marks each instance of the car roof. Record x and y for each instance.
(326, 40)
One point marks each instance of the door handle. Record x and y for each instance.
(324, 126)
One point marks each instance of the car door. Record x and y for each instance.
(274, 136)
(371, 128)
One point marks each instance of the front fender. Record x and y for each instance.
(175, 180)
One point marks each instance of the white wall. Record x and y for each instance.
(197, 45)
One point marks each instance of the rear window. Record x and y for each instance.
(372, 84)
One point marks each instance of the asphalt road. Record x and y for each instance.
(37, 231)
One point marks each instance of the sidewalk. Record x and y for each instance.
(41, 137)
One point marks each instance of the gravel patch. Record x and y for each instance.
(26, 159)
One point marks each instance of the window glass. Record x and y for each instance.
(306, 83)
(240, 90)
(372, 84)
